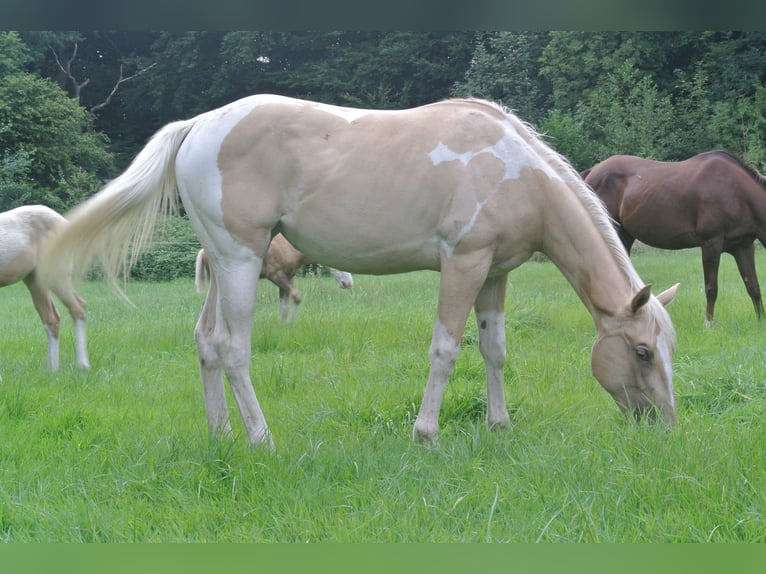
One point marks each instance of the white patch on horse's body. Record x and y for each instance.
(348, 114)
(508, 150)
(449, 244)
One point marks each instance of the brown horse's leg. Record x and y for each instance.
(41, 298)
(627, 239)
(711, 258)
(490, 319)
(745, 258)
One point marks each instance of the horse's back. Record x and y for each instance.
(22, 231)
(675, 205)
(370, 191)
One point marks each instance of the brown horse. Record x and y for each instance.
(280, 266)
(711, 200)
(462, 187)
(22, 233)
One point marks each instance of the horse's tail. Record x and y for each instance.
(116, 224)
(201, 271)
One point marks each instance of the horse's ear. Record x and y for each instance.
(667, 295)
(641, 298)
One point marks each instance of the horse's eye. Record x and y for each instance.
(643, 353)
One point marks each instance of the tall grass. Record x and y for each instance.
(122, 453)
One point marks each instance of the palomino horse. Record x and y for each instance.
(22, 232)
(280, 265)
(711, 200)
(462, 187)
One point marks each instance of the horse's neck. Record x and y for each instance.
(583, 255)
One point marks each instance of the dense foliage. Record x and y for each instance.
(76, 106)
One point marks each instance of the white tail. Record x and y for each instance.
(201, 271)
(116, 225)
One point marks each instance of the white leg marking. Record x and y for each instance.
(443, 353)
(81, 345)
(53, 349)
(492, 347)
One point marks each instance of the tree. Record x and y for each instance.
(623, 114)
(51, 154)
(506, 68)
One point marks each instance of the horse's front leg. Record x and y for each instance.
(461, 279)
(711, 259)
(490, 320)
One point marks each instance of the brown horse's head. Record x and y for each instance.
(633, 354)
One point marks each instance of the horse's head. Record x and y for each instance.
(633, 355)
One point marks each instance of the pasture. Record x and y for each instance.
(122, 453)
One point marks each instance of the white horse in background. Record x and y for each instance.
(22, 233)
(280, 266)
(462, 187)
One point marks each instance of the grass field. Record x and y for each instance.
(122, 453)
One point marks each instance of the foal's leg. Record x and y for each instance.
(41, 298)
(289, 296)
(745, 258)
(490, 319)
(461, 279)
(76, 306)
(711, 259)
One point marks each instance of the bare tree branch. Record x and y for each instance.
(120, 80)
(66, 69)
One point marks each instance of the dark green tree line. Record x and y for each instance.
(75, 106)
(664, 95)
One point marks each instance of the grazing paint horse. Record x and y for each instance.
(280, 266)
(22, 232)
(711, 200)
(462, 187)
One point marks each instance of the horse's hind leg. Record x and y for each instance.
(41, 298)
(232, 334)
(490, 319)
(77, 309)
(211, 370)
(745, 258)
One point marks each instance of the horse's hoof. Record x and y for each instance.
(425, 436)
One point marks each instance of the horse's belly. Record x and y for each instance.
(672, 236)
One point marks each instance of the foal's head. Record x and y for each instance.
(633, 355)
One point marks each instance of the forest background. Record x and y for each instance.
(76, 106)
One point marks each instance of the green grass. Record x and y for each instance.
(122, 453)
